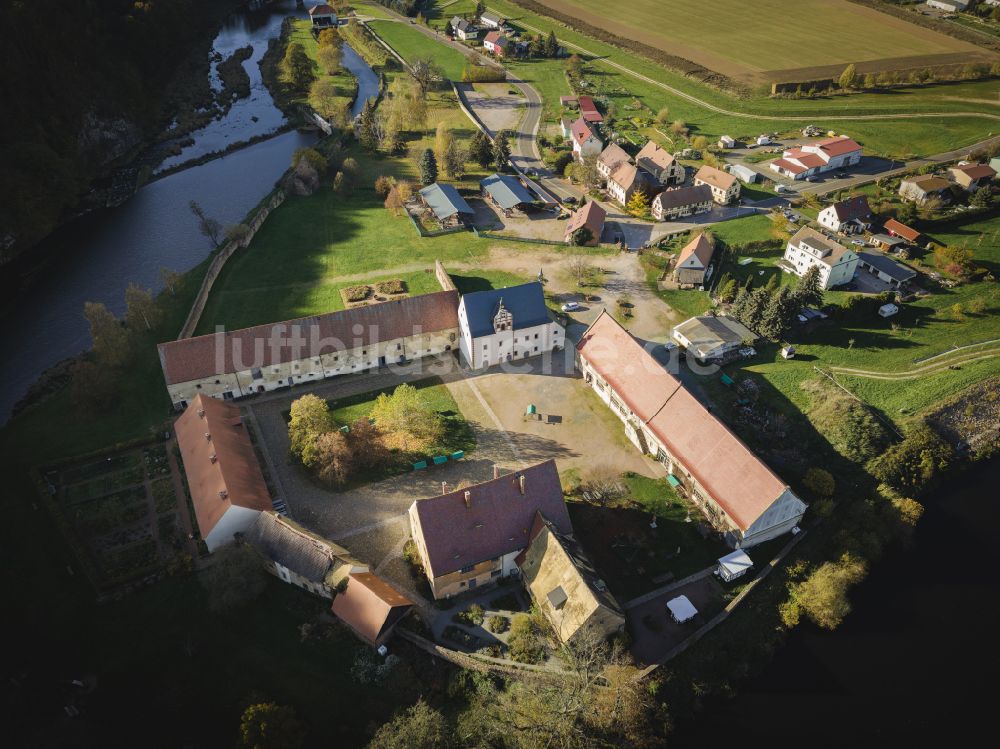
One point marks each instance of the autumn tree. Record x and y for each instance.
(367, 443)
(329, 38)
(268, 725)
(333, 458)
(309, 419)
(849, 78)
(170, 279)
(296, 67)
(822, 596)
(234, 578)
(109, 337)
(417, 727)
(384, 183)
(237, 233)
(207, 225)
(406, 420)
(141, 311)
(638, 204)
(426, 73)
(326, 100)
(329, 58)
(393, 201)
(574, 65)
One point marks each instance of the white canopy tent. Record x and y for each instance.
(681, 609)
(734, 565)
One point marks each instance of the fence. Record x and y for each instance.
(436, 233)
(220, 259)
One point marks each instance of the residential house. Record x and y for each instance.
(299, 556)
(808, 248)
(370, 607)
(660, 164)
(322, 16)
(742, 498)
(592, 217)
(744, 173)
(507, 324)
(492, 20)
(898, 229)
(471, 537)
(823, 156)
(692, 266)
(506, 193)
(464, 29)
(711, 338)
(497, 44)
(725, 187)
(611, 158)
(887, 270)
(239, 363)
(588, 110)
(626, 180)
(924, 187)
(972, 176)
(565, 586)
(849, 216)
(585, 142)
(448, 207)
(680, 202)
(225, 481)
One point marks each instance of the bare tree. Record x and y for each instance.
(426, 73)
(580, 266)
(170, 279)
(207, 225)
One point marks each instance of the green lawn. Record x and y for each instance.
(412, 44)
(346, 84)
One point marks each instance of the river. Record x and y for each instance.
(912, 660)
(94, 258)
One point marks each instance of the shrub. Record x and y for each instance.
(523, 643)
(395, 286)
(915, 464)
(820, 482)
(497, 623)
(357, 293)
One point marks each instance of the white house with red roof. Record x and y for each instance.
(742, 498)
(585, 141)
(322, 16)
(591, 217)
(496, 44)
(823, 156)
(849, 216)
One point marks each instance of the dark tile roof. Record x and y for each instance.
(682, 196)
(887, 265)
(220, 353)
(370, 606)
(497, 519)
(284, 541)
(525, 302)
(852, 208)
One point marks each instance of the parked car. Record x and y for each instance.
(571, 307)
(859, 242)
(570, 200)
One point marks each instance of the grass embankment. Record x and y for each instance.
(412, 44)
(898, 138)
(286, 97)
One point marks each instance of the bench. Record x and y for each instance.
(420, 464)
(439, 459)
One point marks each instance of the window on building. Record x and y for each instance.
(198, 386)
(496, 573)
(255, 373)
(468, 568)
(218, 382)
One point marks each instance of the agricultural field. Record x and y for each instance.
(769, 40)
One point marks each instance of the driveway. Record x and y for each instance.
(654, 633)
(495, 105)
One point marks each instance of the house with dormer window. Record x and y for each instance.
(502, 325)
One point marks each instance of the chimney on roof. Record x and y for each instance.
(213, 457)
(496, 471)
(223, 494)
(468, 498)
(521, 482)
(201, 413)
(208, 437)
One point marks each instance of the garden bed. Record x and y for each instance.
(360, 295)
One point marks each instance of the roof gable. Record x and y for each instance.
(370, 606)
(715, 177)
(696, 254)
(657, 157)
(592, 216)
(526, 303)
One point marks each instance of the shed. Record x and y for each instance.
(681, 609)
(506, 192)
(445, 203)
(734, 565)
(888, 310)
(788, 352)
(743, 173)
(726, 142)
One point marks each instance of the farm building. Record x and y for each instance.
(238, 363)
(626, 180)
(592, 217)
(300, 557)
(588, 110)
(226, 484)
(822, 156)
(370, 607)
(809, 248)
(972, 176)
(322, 16)
(898, 229)
(471, 537)
(849, 216)
(660, 164)
(744, 173)
(725, 187)
(952, 6)
(712, 338)
(681, 201)
(896, 275)
(742, 498)
(924, 187)
(584, 140)
(501, 325)
(611, 158)
(448, 207)
(693, 263)
(506, 193)
(565, 586)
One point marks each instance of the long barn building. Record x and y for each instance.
(738, 493)
(238, 363)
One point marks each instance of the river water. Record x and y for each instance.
(915, 658)
(95, 257)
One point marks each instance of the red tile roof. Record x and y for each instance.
(234, 472)
(789, 166)
(591, 215)
(581, 132)
(737, 480)
(496, 520)
(221, 353)
(370, 606)
(901, 230)
(715, 177)
(837, 146)
(322, 9)
(700, 248)
(588, 110)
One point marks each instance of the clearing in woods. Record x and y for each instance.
(775, 40)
